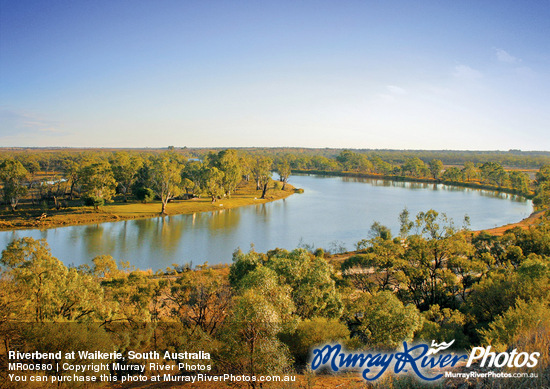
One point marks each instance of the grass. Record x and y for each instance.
(26, 218)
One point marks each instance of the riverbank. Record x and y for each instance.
(423, 180)
(534, 219)
(246, 194)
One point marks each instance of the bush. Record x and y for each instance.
(524, 317)
(94, 201)
(145, 194)
(314, 332)
(382, 321)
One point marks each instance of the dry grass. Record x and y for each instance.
(534, 219)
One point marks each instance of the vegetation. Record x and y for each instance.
(53, 179)
(263, 314)
(59, 188)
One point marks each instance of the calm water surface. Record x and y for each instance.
(333, 213)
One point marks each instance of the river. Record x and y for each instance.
(333, 213)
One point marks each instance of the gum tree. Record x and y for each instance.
(166, 178)
(98, 183)
(13, 175)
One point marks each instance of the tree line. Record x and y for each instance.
(95, 178)
(488, 174)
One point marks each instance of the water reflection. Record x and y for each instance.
(434, 186)
(333, 212)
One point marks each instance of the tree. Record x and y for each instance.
(452, 174)
(503, 287)
(444, 324)
(283, 168)
(30, 162)
(262, 174)
(13, 175)
(266, 282)
(72, 172)
(405, 223)
(380, 268)
(414, 167)
(542, 187)
(435, 168)
(311, 278)
(354, 161)
(313, 332)
(524, 318)
(229, 164)
(193, 171)
(519, 181)
(166, 177)
(251, 345)
(494, 174)
(381, 166)
(243, 263)
(98, 183)
(125, 167)
(543, 175)
(469, 171)
(141, 187)
(53, 292)
(212, 182)
(428, 276)
(382, 321)
(200, 299)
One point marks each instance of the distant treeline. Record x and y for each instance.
(510, 158)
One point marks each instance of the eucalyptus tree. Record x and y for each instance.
(519, 181)
(228, 162)
(493, 173)
(199, 299)
(53, 292)
(382, 320)
(470, 172)
(453, 174)
(542, 187)
(435, 166)
(436, 262)
(71, 168)
(414, 167)
(251, 344)
(13, 176)
(262, 174)
(166, 177)
(125, 168)
(212, 182)
(193, 171)
(98, 182)
(283, 168)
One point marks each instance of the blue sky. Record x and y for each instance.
(355, 74)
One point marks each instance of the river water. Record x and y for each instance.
(333, 213)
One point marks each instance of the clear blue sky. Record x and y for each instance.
(358, 74)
